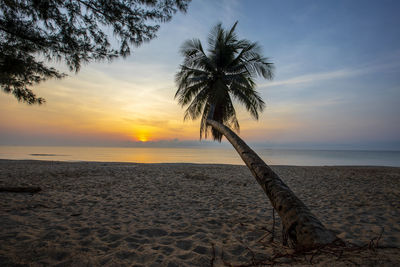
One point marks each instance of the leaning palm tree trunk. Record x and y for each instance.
(299, 224)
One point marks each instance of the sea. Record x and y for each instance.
(203, 155)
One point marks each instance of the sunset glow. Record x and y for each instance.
(325, 91)
(143, 137)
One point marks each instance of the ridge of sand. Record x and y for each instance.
(93, 213)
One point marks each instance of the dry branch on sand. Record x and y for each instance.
(345, 253)
(20, 189)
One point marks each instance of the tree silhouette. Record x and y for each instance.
(209, 82)
(33, 32)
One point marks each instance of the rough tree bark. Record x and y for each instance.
(302, 227)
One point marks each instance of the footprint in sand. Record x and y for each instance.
(152, 232)
(184, 244)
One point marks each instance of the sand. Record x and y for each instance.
(122, 214)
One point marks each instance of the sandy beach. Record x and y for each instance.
(127, 214)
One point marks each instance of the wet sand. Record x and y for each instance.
(122, 214)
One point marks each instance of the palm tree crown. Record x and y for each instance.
(207, 82)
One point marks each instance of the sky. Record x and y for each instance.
(336, 84)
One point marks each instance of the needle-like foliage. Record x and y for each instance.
(76, 32)
(209, 81)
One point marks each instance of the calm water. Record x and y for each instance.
(202, 155)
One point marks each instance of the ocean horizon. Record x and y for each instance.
(202, 155)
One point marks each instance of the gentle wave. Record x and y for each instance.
(226, 155)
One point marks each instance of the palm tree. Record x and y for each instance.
(207, 84)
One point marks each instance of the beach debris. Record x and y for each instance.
(213, 255)
(374, 242)
(339, 251)
(18, 189)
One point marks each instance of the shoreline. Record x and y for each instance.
(194, 163)
(205, 155)
(119, 213)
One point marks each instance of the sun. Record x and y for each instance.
(143, 139)
(142, 134)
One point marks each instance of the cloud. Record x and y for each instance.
(174, 143)
(148, 122)
(335, 74)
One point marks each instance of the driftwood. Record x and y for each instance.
(24, 189)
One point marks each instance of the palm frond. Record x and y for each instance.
(187, 95)
(208, 81)
(196, 107)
